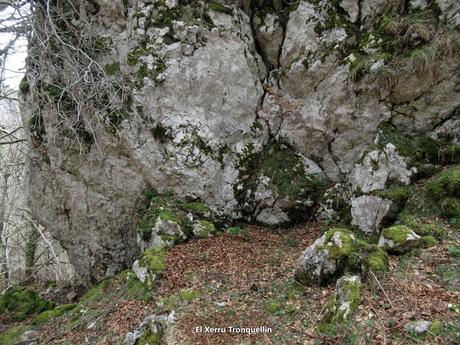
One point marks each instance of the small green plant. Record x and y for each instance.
(454, 251)
(239, 231)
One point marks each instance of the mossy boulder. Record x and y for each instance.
(170, 220)
(150, 265)
(326, 257)
(343, 302)
(423, 327)
(398, 239)
(17, 303)
(203, 229)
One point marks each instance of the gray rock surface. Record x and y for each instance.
(156, 324)
(419, 327)
(180, 102)
(368, 211)
(325, 257)
(377, 167)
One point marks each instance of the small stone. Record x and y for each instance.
(417, 327)
(71, 296)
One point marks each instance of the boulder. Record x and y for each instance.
(326, 257)
(343, 302)
(368, 211)
(398, 239)
(203, 229)
(379, 166)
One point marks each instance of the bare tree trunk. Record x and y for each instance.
(30, 251)
(4, 271)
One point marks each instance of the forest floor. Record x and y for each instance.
(247, 281)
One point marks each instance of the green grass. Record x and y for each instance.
(12, 336)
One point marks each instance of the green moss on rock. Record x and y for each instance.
(286, 176)
(343, 302)
(17, 303)
(96, 292)
(397, 194)
(423, 227)
(149, 337)
(218, 7)
(377, 260)
(340, 243)
(203, 229)
(197, 208)
(168, 208)
(398, 233)
(154, 259)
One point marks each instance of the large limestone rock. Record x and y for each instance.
(223, 103)
(379, 166)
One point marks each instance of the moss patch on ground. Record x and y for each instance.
(52, 314)
(13, 335)
(17, 303)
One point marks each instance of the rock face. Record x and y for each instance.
(254, 109)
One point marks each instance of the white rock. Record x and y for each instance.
(368, 211)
